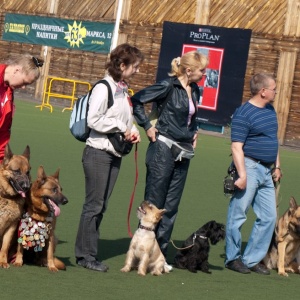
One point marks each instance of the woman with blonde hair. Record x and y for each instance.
(173, 138)
(17, 73)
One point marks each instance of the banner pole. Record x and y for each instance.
(117, 25)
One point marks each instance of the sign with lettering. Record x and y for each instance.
(221, 89)
(63, 33)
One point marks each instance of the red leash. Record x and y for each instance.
(133, 192)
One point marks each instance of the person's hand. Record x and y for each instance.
(276, 175)
(151, 134)
(135, 137)
(241, 183)
(127, 135)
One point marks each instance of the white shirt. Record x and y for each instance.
(103, 120)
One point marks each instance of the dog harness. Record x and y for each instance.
(33, 233)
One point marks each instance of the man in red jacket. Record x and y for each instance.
(17, 73)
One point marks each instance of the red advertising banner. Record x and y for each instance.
(209, 85)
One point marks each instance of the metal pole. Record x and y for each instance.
(117, 25)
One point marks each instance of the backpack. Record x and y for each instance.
(78, 120)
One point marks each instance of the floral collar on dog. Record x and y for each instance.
(33, 233)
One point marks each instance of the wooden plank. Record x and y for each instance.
(202, 12)
(284, 80)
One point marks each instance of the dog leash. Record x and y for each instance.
(277, 189)
(133, 192)
(190, 246)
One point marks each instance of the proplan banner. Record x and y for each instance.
(227, 49)
(62, 33)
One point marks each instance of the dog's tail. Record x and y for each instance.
(59, 264)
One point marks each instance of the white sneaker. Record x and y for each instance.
(168, 267)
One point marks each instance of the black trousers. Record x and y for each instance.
(101, 171)
(165, 180)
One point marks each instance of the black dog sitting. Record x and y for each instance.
(194, 252)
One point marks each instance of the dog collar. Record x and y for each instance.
(200, 236)
(146, 228)
(33, 233)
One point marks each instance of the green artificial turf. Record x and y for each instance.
(52, 146)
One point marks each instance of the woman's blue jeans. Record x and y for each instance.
(260, 194)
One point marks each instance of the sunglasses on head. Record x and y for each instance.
(37, 62)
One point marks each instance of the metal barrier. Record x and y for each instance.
(130, 92)
(47, 93)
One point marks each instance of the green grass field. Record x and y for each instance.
(52, 146)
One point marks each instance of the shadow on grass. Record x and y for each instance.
(110, 248)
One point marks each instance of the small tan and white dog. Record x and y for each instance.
(144, 253)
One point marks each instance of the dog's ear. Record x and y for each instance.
(293, 204)
(7, 155)
(56, 174)
(159, 214)
(162, 211)
(213, 224)
(26, 152)
(41, 175)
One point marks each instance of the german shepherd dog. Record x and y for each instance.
(284, 251)
(36, 238)
(14, 183)
(144, 252)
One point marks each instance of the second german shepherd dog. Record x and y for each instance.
(42, 209)
(284, 252)
(14, 183)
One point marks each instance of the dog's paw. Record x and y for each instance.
(4, 265)
(18, 263)
(52, 269)
(191, 269)
(156, 273)
(289, 270)
(283, 274)
(125, 269)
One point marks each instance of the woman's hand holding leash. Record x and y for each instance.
(135, 137)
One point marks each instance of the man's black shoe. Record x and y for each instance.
(92, 265)
(238, 266)
(260, 269)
